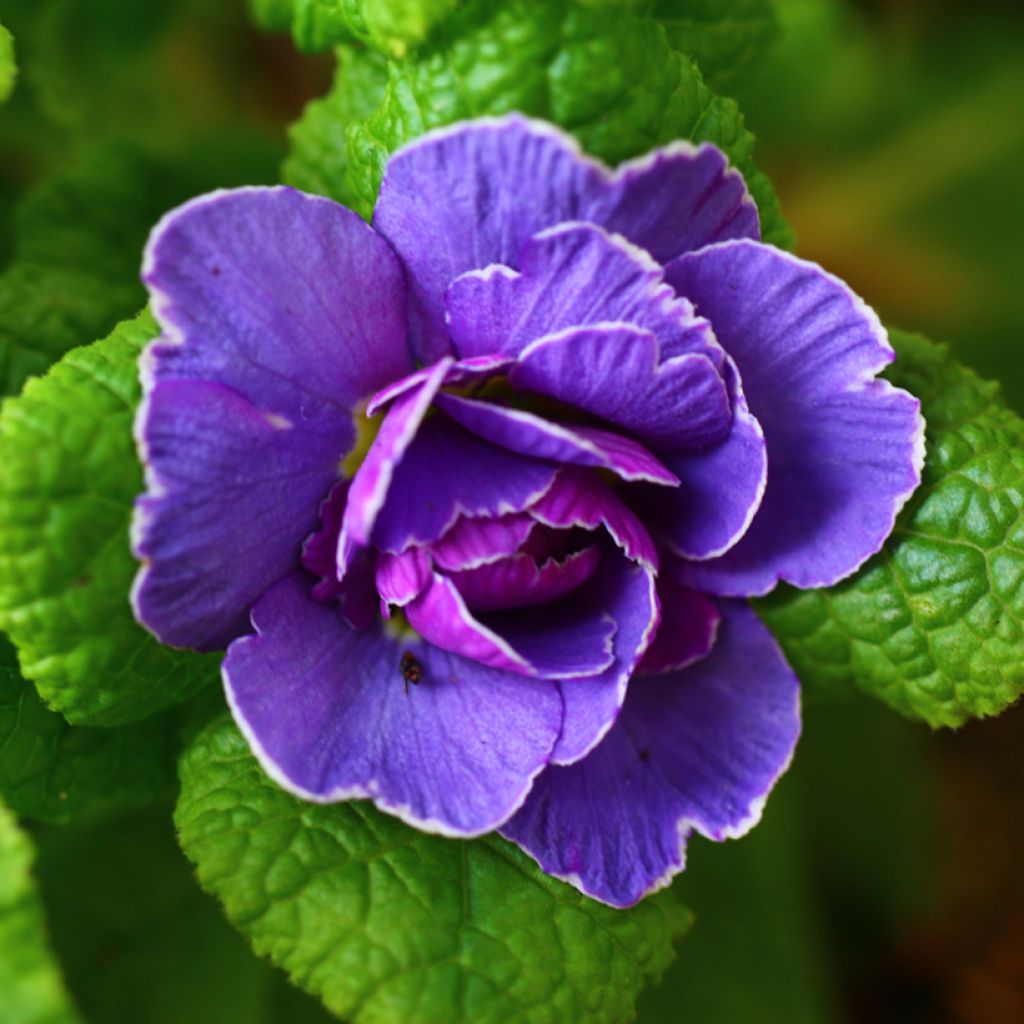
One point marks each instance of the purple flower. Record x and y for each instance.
(604, 413)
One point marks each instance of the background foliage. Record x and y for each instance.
(882, 886)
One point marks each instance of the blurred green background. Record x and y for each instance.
(884, 885)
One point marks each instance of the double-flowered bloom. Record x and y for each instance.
(473, 496)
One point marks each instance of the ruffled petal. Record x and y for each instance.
(280, 311)
(572, 275)
(676, 199)
(372, 482)
(455, 753)
(694, 750)
(232, 491)
(845, 450)
(689, 625)
(462, 371)
(291, 299)
(469, 195)
(720, 488)
(625, 592)
(612, 371)
(473, 542)
(401, 578)
(449, 472)
(519, 582)
(530, 434)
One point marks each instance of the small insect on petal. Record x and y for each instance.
(411, 671)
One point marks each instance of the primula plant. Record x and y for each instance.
(450, 531)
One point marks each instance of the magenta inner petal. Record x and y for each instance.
(518, 581)
(473, 542)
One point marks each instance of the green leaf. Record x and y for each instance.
(934, 624)
(390, 26)
(608, 75)
(54, 772)
(66, 493)
(8, 69)
(386, 924)
(31, 988)
(755, 955)
(141, 943)
(724, 37)
(78, 239)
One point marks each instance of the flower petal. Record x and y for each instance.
(469, 195)
(291, 299)
(456, 754)
(845, 450)
(689, 626)
(530, 434)
(720, 488)
(373, 480)
(568, 641)
(676, 199)
(695, 750)
(462, 371)
(519, 582)
(473, 542)
(401, 578)
(460, 474)
(612, 371)
(572, 275)
(232, 491)
(627, 593)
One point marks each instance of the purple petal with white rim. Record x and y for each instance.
(518, 581)
(845, 450)
(231, 494)
(579, 498)
(462, 371)
(720, 489)
(473, 542)
(567, 642)
(695, 750)
(248, 394)
(400, 578)
(612, 371)
(291, 299)
(676, 199)
(572, 275)
(469, 195)
(689, 625)
(627, 593)
(463, 476)
(372, 481)
(532, 435)
(456, 754)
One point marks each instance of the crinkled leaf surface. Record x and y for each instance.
(387, 924)
(141, 943)
(390, 26)
(934, 624)
(70, 477)
(78, 238)
(723, 36)
(609, 75)
(8, 68)
(31, 989)
(55, 772)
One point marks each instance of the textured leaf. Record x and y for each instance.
(723, 36)
(389, 924)
(608, 75)
(390, 26)
(55, 772)
(141, 943)
(933, 625)
(8, 68)
(31, 989)
(70, 477)
(78, 238)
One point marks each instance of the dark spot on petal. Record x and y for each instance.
(645, 755)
